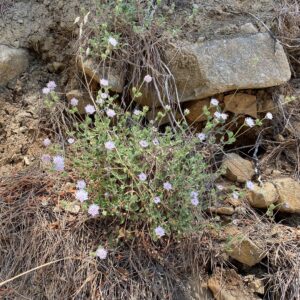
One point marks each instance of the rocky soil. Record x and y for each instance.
(228, 52)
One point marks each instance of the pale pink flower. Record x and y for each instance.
(59, 163)
(93, 210)
(46, 158)
(90, 109)
(104, 82)
(195, 201)
(112, 41)
(156, 200)
(110, 145)
(214, 102)
(250, 185)
(110, 113)
(142, 177)
(71, 141)
(159, 231)
(104, 95)
(137, 112)
(235, 195)
(224, 117)
(74, 102)
(217, 115)
(101, 253)
(81, 184)
(46, 142)
(250, 122)
(201, 136)
(155, 142)
(148, 78)
(51, 85)
(143, 144)
(269, 116)
(167, 186)
(81, 195)
(46, 91)
(220, 187)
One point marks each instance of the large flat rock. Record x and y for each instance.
(12, 63)
(207, 68)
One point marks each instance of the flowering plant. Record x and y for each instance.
(144, 178)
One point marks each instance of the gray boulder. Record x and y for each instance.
(207, 68)
(13, 62)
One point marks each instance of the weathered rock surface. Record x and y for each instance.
(228, 64)
(94, 72)
(237, 168)
(248, 28)
(255, 284)
(196, 110)
(263, 196)
(243, 249)
(13, 62)
(223, 210)
(216, 66)
(228, 285)
(289, 194)
(240, 103)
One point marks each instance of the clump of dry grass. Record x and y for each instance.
(35, 234)
(57, 120)
(142, 49)
(283, 263)
(288, 31)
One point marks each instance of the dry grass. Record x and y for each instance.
(288, 30)
(57, 121)
(283, 276)
(33, 234)
(141, 53)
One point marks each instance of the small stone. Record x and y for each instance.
(262, 196)
(257, 286)
(241, 104)
(237, 168)
(234, 202)
(13, 62)
(227, 284)
(241, 210)
(242, 248)
(71, 207)
(289, 194)
(248, 28)
(276, 173)
(26, 160)
(224, 210)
